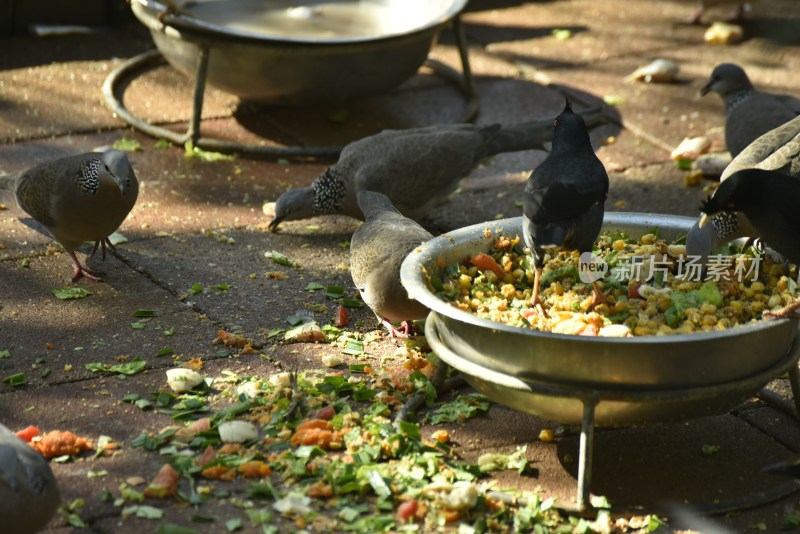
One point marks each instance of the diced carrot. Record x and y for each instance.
(342, 316)
(313, 423)
(451, 516)
(407, 511)
(165, 483)
(208, 456)
(219, 472)
(633, 292)
(255, 469)
(201, 425)
(325, 413)
(28, 433)
(484, 262)
(319, 490)
(58, 443)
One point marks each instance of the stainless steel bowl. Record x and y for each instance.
(679, 361)
(260, 53)
(611, 406)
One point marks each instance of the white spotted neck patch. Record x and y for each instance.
(89, 178)
(329, 190)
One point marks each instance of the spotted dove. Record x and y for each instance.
(416, 168)
(377, 249)
(78, 198)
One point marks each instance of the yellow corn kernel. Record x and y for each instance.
(774, 301)
(619, 244)
(782, 284)
(508, 291)
(707, 308)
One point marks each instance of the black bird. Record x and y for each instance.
(770, 201)
(565, 196)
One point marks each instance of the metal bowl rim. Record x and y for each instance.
(413, 280)
(184, 22)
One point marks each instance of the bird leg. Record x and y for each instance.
(598, 297)
(105, 242)
(80, 271)
(537, 277)
(787, 311)
(404, 331)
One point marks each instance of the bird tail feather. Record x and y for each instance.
(8, 182)
(533, 134)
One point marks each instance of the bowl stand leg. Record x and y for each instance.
(585, 453)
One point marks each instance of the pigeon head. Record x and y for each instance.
(294, 204)
(570, 129)
(733, 194)
(727, 79)
(116, 164)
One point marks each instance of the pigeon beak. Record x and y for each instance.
(273, 224)
(703, 220)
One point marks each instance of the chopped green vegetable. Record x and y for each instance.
(128, 368)
(195, 289)
(127, 145)
(69, 293)
(459, 410)
(192, 151)
(17, 379)
(280, 259)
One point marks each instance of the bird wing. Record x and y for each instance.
(772, 151)
(549, 198)
(415, 171)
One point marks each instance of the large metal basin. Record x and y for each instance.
(611, 406)
(639, 363)
(300, 52)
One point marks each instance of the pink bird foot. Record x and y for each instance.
(79, 271)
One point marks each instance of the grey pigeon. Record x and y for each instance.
(377, 249)
(416, 168)
(778, 150)
(78, 198)
(29, 494)
(749, 113)
(565, 196)
(769, 199)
